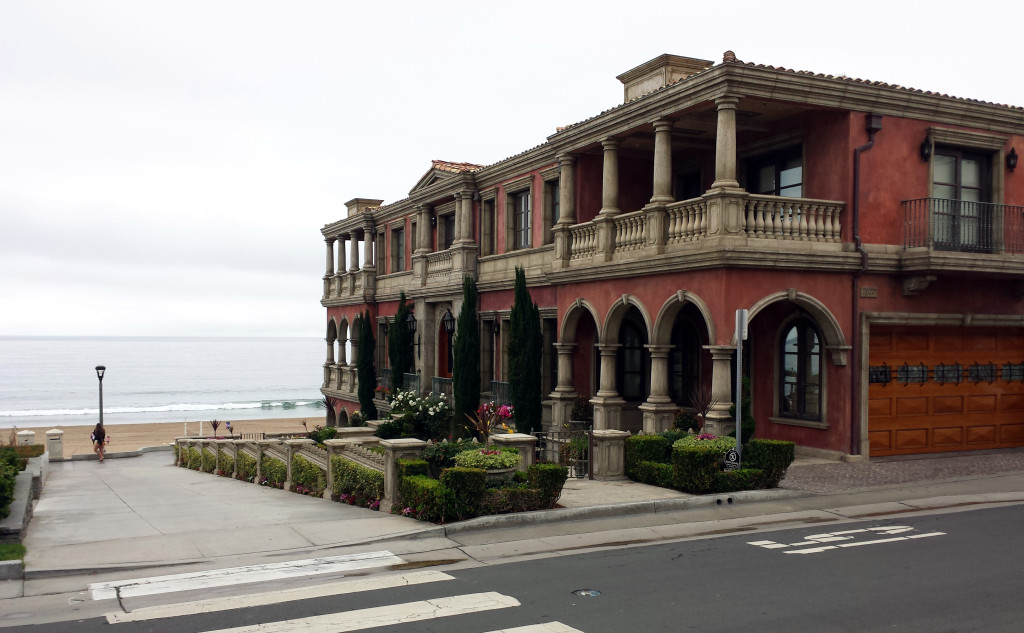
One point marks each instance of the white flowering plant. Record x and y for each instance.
(427, 418)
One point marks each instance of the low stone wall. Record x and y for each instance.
(27, 487)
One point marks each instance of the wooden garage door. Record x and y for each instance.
(945, 389)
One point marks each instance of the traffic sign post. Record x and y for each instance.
(741, 335)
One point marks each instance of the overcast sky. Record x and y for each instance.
(165, 167)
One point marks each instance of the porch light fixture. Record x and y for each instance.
(410, 324)
(1011, 159)
(433, 219)
(926, 148)
(449, 323)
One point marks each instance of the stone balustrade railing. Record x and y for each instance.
(630, 230)
(687, 221)
(439, 263)
(583, 240)
(798, 219)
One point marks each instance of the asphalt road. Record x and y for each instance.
(943, 573)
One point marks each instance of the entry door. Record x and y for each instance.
(961, 219)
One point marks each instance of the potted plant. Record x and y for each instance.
(576, 453)
(499, 464)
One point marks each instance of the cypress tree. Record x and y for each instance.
(525, 349)
(365, 368)
(466, 372)
(400, 341)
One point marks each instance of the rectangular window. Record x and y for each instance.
(413, 237)
(397, 250)
(961, 219)
(521, 219)
(487, 232)
(779, 174)
(551, 209)
(448, 231)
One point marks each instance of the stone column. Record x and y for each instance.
(329, 275)
(610, 181)
(367, 249)
(403, 448)
(564, 393)
(463, 217)
(718, 420)
(423, 230)
(609, 455)
(523, 442)
(353, 255)
(292, 447)
(725, 144)
(566, 189)
(607, 402)
(659, 410)
(662, 162)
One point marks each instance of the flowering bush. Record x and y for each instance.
(487, 458)
(424, 418)
(490, 418)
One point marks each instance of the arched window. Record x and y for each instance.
(633, 366)
(800, 371)
(684, 362)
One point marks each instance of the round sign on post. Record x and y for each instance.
(732, 459)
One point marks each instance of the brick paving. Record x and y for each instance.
(825, 477)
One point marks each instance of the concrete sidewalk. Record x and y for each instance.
(144, 513)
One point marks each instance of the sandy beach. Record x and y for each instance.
(130, 437)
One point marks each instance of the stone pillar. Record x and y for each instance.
(610, 181)
(464, 217)
(610, 455)
(292, 447)
(524, 443)
(662, 162)
(725, 144)
(329, 275)
(403, 448)
(566, 189)
(659, 410)
(423, 230)
(353, 254)
(234, 457)
(718, 420)
(367, 249)
(26, 438)
(607, 403)
(564, 393)
(55, 444)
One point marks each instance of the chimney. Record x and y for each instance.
(358, 205)
(659, 72)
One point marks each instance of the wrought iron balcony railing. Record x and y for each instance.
(964, 226)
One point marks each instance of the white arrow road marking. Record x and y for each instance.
(226, 603)
(389, 615)
(240, 575)
(815, 543)
(547, 627)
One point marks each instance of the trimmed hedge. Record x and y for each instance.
(696, 466)
(771, 456)
(426, 498)
(468, 486)
(273, 472)
(9, 464)
(548, 480)
(741, 479)
(655, 474)
(195, 458)
(246, 467)
(441, 455)
(227, 465)
(208, 461)
(356, 484)
(307, 478)
(645, 448)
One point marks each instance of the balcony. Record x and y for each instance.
(941, 235)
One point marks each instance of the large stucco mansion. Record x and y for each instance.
(874, 233)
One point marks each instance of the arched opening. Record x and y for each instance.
(633, 362)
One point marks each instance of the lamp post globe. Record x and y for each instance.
(100, 370)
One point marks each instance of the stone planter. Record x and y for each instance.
(499, 475)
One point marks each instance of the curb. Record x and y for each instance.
(86, 457)
(12, 570)
(539, 517)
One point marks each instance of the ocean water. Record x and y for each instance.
(50, 381)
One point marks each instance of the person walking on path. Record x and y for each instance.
(99, 437)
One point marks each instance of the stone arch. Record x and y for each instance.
(662, 331)
(835, 340)
(610, 332)
(572, 317)
(332, 331)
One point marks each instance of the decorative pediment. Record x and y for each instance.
(442, 170)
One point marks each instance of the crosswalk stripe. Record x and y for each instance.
(225, 603)
(240, 575)
(547, 627)
(389, 615)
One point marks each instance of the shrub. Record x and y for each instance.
(645, 448)
(246, 467)
(706, 439)
(356, 418)
(356, 484)
(487, 458)
(548, 480)
(273, 472)
(695, 466)
(686, 421)
(427, 498)
(515, 498)
(467, 486)
(582, 410)
(655, 474)
(389, 430)
(441, 455)
(771, 456)
(321, 433)
(427, 418)
(411, 467)
(8, 476)
(741, 479)
(195, 458)
(209, 461)
(30, 451)
(227, 465)
(307, 478)
(577, 447)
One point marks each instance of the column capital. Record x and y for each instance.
(565, 348)
(608, 348)
(659, 350)
(610, 143)
(330, 240)
(566, 159)
(720, 351)
(662, 125)
(726, 102)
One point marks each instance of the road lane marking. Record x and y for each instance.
(240, 575)
(388, 615)
(816, 543)
(227, 603)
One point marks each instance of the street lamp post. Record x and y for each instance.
(100, 369)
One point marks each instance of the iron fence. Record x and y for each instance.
(962, 225)
(572, 448)
(501, 392)
(412, 382)
(440, 385)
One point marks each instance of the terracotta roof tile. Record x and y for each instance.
(456, 168)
